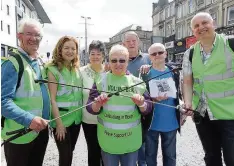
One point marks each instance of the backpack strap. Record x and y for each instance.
(231, 43)
(21, 67)
(191, 55)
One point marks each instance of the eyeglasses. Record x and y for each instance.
(157, 53)
(37, 36)
(116, 60)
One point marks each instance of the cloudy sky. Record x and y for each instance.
(108, 17)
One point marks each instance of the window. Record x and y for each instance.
(1, 25)
(3, 51)
(172, 8)
(24, 9)
(18, 3)
(9, 29)
(189, 30)
(214, 16)
(199, 2)
(190, 6)
(168, 31)
(161, 16)
(8, 10)
(179, 31)
(179, 11)
(185, 9)
(167, 12)
(230, 15)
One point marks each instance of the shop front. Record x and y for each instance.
(180, 48)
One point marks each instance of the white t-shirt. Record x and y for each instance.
(88, 76)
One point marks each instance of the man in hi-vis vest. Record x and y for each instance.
(25, 103)
(208, 72)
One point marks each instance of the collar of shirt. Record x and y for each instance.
(26, 54)
(139, 55)
(213, 45)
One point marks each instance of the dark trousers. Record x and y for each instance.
(67, 146)
(216, 135)
(27, 154)
(94, 150)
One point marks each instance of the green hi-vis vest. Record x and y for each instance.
(119, 123)
(216, 77)
(28, 97)
(68, 98)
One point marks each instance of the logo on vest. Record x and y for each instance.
(118, 135)
(112, 88)
(118, 117)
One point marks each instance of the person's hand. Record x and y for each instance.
(38, 124)
(60, 132)
(101, 99)
(160, 98)
(188, 109)
(138, 99)
(144, 69)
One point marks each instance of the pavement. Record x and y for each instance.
(189, 150)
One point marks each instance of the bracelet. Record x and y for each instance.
(143, 105)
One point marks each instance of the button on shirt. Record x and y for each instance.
(9, 78)
(187, 70)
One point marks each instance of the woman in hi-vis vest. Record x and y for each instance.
(64, 68)
(119, 118)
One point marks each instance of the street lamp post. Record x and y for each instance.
(86, 41)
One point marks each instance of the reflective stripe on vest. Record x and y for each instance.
(220, 95)
(69, 104)
(119, 126)
(125, 108)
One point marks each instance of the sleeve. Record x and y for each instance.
(92, 95)
(149, 104)
(187, 66)
(9, 109)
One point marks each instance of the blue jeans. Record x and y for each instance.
(127, 159)
(141, 156)
(168, 143)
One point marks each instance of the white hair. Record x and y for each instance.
(201, 14)
(119, 49)
(157, 45)
(129, 33)
(29, 21)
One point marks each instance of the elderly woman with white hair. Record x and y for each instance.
(119, 118)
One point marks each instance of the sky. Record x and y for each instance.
(108, 17)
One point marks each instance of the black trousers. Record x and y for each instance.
(94, 150)
(31, 154)
(215, 136)
(67, 146)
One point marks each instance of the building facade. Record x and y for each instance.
(222, 11)
(12, 11)
(144, 36)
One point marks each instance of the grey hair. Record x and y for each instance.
(29, 21)
(157, 45)
(119, 49)
(129, 33)
(204, 14)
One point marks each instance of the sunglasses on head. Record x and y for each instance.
(116, 60)
(157, 53)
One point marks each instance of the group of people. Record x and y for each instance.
(119, 128)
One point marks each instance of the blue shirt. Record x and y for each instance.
(164, 118)
(135, 64)
(9, 78)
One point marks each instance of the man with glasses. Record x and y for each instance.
(136, 59)
(25, 103)
(165, 120)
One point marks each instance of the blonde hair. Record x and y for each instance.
(57, 58)
(119, 49)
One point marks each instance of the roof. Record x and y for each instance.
(40, 11)
(129, 28)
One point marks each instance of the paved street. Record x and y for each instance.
(189, 151)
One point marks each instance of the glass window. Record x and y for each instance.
(9, 29)
(1, 25)
(230, 15)
(8, 10)
(199, 2)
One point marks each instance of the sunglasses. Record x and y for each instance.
(120, 60)
(157, 53)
